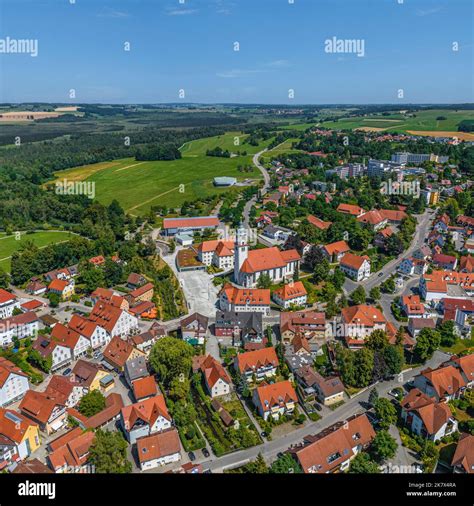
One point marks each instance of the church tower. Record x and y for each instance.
(241, 251)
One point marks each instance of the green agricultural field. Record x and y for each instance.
(9, 244)
(140, 185)
(419, 121)
(281, 149)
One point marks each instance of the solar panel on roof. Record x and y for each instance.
(44, 343)
(12, 417)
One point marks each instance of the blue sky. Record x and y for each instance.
(190, 46)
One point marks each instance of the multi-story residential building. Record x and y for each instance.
(311, 325)
(333, 449)
(13, 382)
(244, 328)
(245, 300)
(355, 266)
(144, 418)
(413, 307)
(44, 409)
(19, 437)
(8, 302)
(92, 331)
(66, 390)
(258, 364)
(463, 458)
(374, 219)
(411, 266)
(114, 320)
(20, 326)
(64, 288)
(89, 375)
(291, 294)
(416, 325)
(158, 449)
(118, 351)
(70, 452)
(351, 209)
(218, 253)
(358, 322)
(275, 400)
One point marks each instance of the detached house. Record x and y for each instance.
(311, 325)
(335, 251)
(373, 219)
(358, 322)
(260, 364)
(64, 288)
(426, 417)
(355, 266)
(350, 209)
(411, 266)
(467, 264)
(444, 383)
(463, 458)
(66, 390)
(89, 375)
(13, 382)
(144, 418)
(217, 380)
(446, 262)
(275, 400)
(291, 294)
(194, 328)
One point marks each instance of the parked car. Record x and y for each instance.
(205, 452)
(263, 434)
(67, 371)
(318, 406)
(380, 274)
(191, 456)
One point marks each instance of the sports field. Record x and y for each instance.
(140, 185)
(10, 244)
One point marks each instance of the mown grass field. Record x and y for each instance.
(425, 121)
(9, 244)
(140, 185)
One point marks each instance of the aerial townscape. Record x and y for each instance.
(235, 275)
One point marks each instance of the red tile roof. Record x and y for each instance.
(390, 215)
(246, 296)
(320, 224)
(117, 352)
(205, 221)
(7, 368)
(74, 453)
(350, 209)
(464, 454)
(372, 218)
(10, 428)
(445, 380)
(290, 291)
(6, 296)
(144, 387)
(276, 395)
(335, 248)
(252, 360)
(105, 315)
(324, 452)
(213, 371)
(148, 411)
(362, 315)
(38, 405)
(268, 258)
(354, 261)
(158, 445)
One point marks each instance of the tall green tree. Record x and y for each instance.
(383, 446)
(171, 358)
(108, 453)
(385, 412)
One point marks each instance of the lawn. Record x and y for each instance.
(140, 185)
(459, 346)
(10, 244)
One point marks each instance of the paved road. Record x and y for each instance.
(266, 186)
(421, 233)
(270, 449)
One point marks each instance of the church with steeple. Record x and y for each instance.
(249, 265)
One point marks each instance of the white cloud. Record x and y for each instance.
(278, 63)
(234, 73)
(427, 12)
